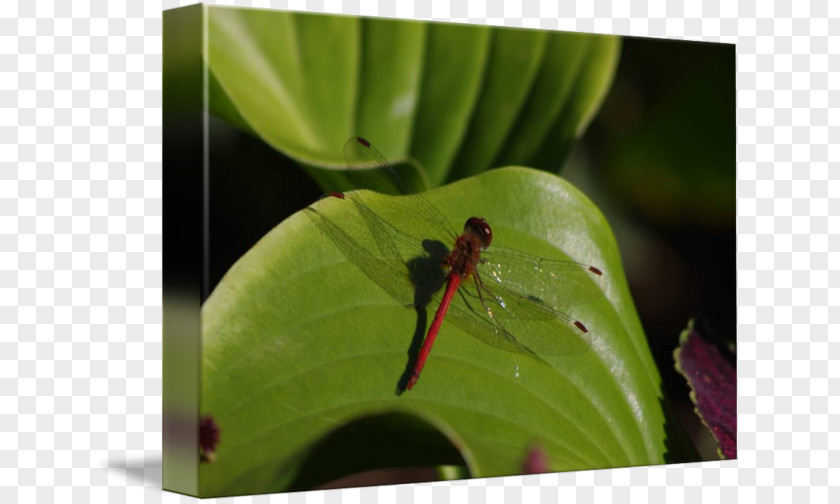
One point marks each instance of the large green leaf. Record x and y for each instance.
(302, 354)
(459, 99)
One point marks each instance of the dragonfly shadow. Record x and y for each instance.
(427, 277)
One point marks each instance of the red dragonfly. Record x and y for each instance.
(508, 299)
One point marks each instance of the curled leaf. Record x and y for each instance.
(456, 98)
(300, 343)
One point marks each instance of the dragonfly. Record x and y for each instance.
(506, 298)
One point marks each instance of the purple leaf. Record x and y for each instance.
(712, 379)
(208, 437)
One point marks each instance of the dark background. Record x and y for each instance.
(658, 159)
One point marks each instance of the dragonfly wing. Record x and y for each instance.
(554, 283)
(386, 269)
(393, 242)
(530, 323)
(368, 169)
(467, 313)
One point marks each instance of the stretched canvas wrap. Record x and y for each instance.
(400, 251)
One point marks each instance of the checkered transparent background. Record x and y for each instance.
(80, 251)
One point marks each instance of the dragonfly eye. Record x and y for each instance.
(480, 228)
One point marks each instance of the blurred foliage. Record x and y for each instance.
(667, 138)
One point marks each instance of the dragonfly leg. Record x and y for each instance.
(500, 328)
(479, 287)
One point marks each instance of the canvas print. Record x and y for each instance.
(401, 251)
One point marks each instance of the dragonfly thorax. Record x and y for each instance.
(468, 246)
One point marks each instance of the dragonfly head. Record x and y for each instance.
(479, 228)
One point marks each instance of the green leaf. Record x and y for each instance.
(514, 63)
(390, 79)
(574, 78)
(451, 83)
(302, 354)
(592, 82)
(459, 99)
